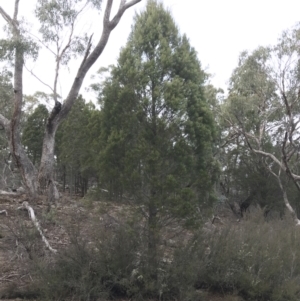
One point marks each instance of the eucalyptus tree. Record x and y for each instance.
(262, 110)
(157, 129)
(57, 21)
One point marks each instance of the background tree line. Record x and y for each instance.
(162, 127)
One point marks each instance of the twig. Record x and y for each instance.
(45, 84)
(5, 278)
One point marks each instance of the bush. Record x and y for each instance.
(258, 259)
(113, 264)
(89, 269)
(255, 259)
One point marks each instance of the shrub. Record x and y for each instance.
(89, 269)
(255, 259)
(113, 264)
(258, 259)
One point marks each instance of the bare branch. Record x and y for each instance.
(16, 10)
(123, 7)
(107, 13)
(6, 17)
(60, 55)
(42, 82)
(271, 156)
(280, 164)
(41, 42)
(4, 212)
(87, 52)
(37, 225)
(90, 58)
(131, 3)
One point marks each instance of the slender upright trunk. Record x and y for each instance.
(152, 238)
(153, 231)
(64, 178)
(45, 175)
(27, 169)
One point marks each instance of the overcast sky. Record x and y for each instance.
(218, 29)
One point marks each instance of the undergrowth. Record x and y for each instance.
(255, 259)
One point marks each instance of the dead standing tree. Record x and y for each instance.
(41, 180)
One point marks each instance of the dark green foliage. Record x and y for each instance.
(74, 152)
(6, 93)
(33, 132)
(157, 130)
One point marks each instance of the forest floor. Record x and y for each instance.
(19, 239)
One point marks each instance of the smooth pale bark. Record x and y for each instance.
(286, 202)
(27, 169)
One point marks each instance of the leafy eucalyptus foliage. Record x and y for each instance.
(261, 119)
(57, 18)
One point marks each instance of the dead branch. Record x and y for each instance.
(4, 212)
(9, 193)
(37, 225)
(7, 18)
(41, 81)
(280, 164)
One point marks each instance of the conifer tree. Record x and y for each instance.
(157, 130)
(33, 134)
(73, 149)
